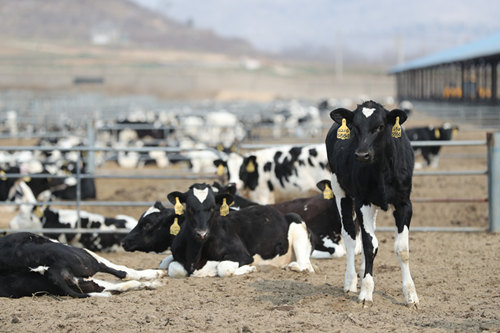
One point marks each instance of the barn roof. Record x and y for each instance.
(486, 47)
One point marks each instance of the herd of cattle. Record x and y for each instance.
(279, 206)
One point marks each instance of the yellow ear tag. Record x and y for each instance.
(220, 147)
(454, 132)
(2, 173)
(175, 228)
(343, 132)
(38, 212)
(224, 208)
(178, 208)
(437, 134)
(396, 129)
(27, 179)
(327, 193)
(250, 167)
(220, 170)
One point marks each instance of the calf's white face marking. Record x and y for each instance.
(151, 210)
(368, 111)
(201, 195)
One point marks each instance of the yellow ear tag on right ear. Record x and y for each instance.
(175, 228)
(178, 208)
(220, 170)
(343, 132)
(437, 134)
(396, 129)
(224, 208)
(250, 167)
(2, 173)
(38, 212)
(27, 179)
(327, 193)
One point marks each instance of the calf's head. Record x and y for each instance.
(370, 126)
(153, 231)
(201, 208)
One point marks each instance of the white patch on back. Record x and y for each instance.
(201, 195)
(151, 210)
(368, 111)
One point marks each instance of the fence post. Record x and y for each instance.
(91, 144)
(493, 141)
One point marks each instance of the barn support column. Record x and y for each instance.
(493, 140)
(494, 97)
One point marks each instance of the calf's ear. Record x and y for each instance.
(219, 198)
(338, 114)
(321, 184)
(392, 115)
(229, 188)
(176, 194)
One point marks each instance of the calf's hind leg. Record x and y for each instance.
(402, 215)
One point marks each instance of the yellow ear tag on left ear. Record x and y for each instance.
(178, 208)
(250, 167)
(343, 132)
(327, 193)
(27, 179)
(175, 228)
(220, 170)
(224, 208)
(437, 134)
(396, 129)
(454, 131)
(2, 173)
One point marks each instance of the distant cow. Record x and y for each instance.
(372, 164)
(430, 133)
(31, 264)
(272, 175)
(32, 216)
(227, 245)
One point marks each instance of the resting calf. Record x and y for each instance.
(31, 264)
(257, 235)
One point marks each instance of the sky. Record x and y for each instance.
(375, 29)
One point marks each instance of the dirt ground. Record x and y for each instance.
(457, 276)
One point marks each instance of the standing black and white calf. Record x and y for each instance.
(31, 264)
(227, 245)
(372, 164)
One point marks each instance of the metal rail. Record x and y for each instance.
(493, 226)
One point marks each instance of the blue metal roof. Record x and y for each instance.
(477, 49)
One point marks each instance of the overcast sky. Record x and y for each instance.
(365, 26)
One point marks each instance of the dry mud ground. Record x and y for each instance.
(456, 276)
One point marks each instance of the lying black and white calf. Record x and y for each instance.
(210, 243)
(154, 231)
(31, 264)
(31, 216)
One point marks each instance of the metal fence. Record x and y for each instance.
(492, 172)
